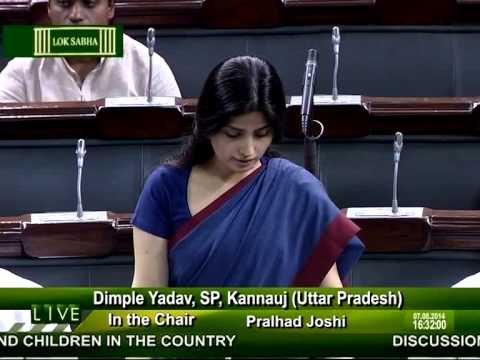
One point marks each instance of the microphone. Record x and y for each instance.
(397, 149)
(80, 156)
(397, 146)
(308, 88)
(336, 39)
(151, 48)
(336, 51)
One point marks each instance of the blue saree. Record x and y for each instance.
(276, 227)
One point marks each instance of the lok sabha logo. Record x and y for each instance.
(55, 41)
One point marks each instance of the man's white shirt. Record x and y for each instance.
(52, 79)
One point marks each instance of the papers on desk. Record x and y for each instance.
(160, 101)
(68, 217)
(327, 100)
(384, 212)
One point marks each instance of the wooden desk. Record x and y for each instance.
(20, 238)
(437, 230)
(373, 116)
(90, 119)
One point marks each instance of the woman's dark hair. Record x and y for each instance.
(236, 86)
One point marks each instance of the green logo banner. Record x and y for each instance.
(242, 322)
(60, 41)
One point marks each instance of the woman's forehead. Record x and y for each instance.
(254, 119)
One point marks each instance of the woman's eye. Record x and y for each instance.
(263, 133)
(231, 134)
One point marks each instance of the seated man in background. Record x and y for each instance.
(85, 78)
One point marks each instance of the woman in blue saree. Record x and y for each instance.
(227, 211)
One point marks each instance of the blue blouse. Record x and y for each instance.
(163, 207)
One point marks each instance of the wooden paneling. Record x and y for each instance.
(437, 230)
(468, 11)
(265, 13)
(48, 120)
(455, 228)
(158, 12)
(310, 12)
(422, 116)
(339, 121)
(14, 12)
(138, 13)
(20, 238)
(386, 115)
(413, 12)
(89, 119)
(374, 116)
(242, 13)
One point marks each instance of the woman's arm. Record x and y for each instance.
(332, 279)
(151, 260)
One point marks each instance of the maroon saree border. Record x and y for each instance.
(330, 246)
(212, 207)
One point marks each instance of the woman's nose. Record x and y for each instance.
(247, 149)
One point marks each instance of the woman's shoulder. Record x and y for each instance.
(290, 170)
(296, 177)
(167, 171)
(167, 174)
